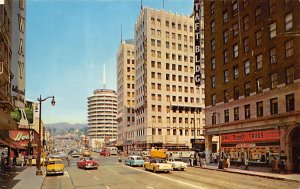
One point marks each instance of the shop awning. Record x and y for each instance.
(3, 142)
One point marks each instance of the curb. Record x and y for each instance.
(250, 174)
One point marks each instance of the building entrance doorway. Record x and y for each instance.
(295, 144)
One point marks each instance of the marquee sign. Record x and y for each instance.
(255, 136)
(197, 28)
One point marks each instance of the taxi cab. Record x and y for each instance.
(158, 165)
(55, 166)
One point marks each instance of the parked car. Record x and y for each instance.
(87, 163)
(55, 166)
(158, 165)
(177, 163)
(134, 161)
(104, 153)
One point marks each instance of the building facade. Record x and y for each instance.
(102, 112)
(167, 102)
(126, 94)
(253, 80)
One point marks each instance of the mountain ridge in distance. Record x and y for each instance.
(65, 125)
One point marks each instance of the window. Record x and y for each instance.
(288, 19)
(258, 37)
(246, 44)
(213, 63)
(213, 81)
(257, 14)
(167, 23)
(226, 76)
(245, 3)
(226, 115)
(226, 95)
(274, 106)
(236, 92)
(225, 16)
(235, 28)
(259, 85)
(212, 8)
(247, 67)
(289, 75)
(236, 114)
(247, 111)
(235, 51)
(225, 56)
(259, 61)
(213, 100)
(274, 80)
(259, 109)
(289, 48)
(234, 8)
(290, 102)
(273, 53)
(235, 71)
(225, 36)
(246, 23)
(213, 45)
(272, 30)
(214, 119)
(247, 89)
(212, 26)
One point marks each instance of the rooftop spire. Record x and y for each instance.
(141, 4)
(121, 34)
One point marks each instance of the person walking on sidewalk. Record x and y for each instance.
(273, 164)
(191, 160)
(246, 164)
(276, 165)
(228, 161)
(282, 166)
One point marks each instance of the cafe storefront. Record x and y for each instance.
(258, 146)
(25, 139)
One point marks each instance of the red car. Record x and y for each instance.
(87, 163)
(104, 153)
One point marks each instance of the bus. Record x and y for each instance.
(113, 150)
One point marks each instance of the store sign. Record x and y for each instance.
(198, 141)
(23, 137)
(197, 28)
(255, 136)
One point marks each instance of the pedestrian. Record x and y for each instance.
(68, 159)
(273, 164)
(30, 160)
(246, 164)
(228, 161)
(282, 165)
(191, 160)
(276, 165)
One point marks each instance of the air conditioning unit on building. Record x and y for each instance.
(1, 67)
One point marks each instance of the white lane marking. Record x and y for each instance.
(167, 178)
(131, 178)
(96, 178)
(67, 174)
(107, 187)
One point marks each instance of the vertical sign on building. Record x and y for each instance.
(197, 27)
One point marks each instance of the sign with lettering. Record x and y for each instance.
(23, 137)
(254, 136)
(197, 28)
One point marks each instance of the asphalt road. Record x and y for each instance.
(114, 175)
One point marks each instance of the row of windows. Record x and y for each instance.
(181, 132)
(289, 79)
(179, 46)
(179, 57)
(157, 33)
(173, 24)
(186, 121)
(273, 103)
(289, 51)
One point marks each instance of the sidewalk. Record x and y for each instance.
(255, 171)
(23, 178)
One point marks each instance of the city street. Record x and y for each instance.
(114, 175)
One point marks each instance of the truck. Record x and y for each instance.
(160, 153)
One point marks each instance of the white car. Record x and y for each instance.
(177, 163)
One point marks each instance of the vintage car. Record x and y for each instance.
(134, 161)
(74, 153)
(55, 166)
(87, 163)
(177, 163)
(86, 153)
(158, 165)
(104, 153)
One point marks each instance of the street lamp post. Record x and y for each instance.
(39, 171)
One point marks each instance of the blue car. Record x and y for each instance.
(134, 161)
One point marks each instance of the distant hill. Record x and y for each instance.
(65, 126)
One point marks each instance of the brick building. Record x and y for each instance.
(253, 79)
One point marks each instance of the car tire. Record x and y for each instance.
(182, 169)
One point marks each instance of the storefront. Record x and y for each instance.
(26, 140)
(258, 146)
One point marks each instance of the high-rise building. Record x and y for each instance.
(126, 94)
(253, 79)
(167, 102)
(102, 123)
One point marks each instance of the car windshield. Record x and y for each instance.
(161, 161)
(177, 159)
(55, 162)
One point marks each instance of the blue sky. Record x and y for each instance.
(67, 43)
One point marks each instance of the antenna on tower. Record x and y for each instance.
(121, 35)
(141, 4)
(104, 83)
